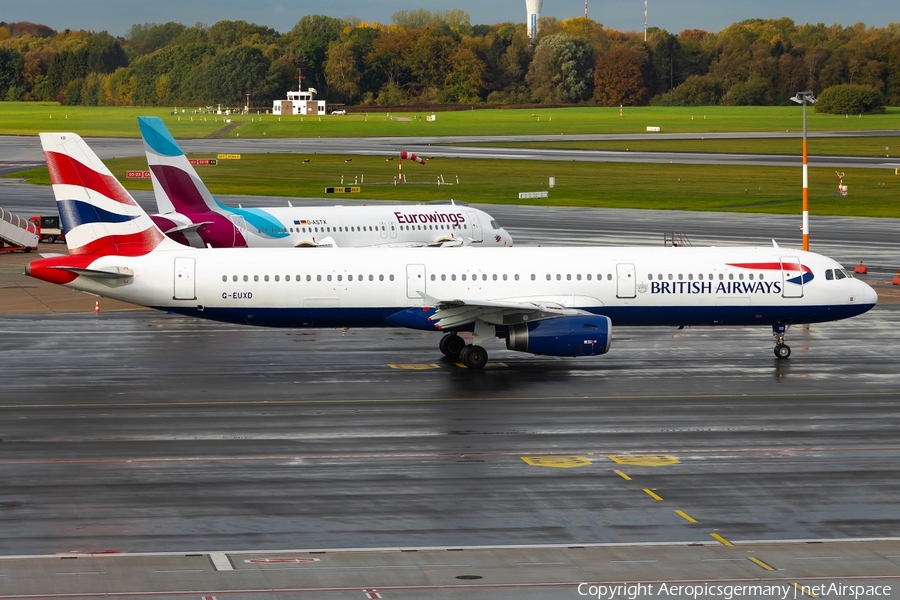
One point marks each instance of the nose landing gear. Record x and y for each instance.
(782, 350)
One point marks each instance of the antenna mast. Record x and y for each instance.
(645, 20)
(585, 9)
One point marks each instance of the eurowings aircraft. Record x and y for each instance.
(541, 300)
(189, 214)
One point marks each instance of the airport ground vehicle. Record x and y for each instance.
(49, 228)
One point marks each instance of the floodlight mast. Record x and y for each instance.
(805, 98)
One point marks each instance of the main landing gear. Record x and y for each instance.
(782, 350)
(455, 348)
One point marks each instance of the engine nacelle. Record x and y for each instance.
(588, 335)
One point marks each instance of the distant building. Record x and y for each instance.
(299, 102)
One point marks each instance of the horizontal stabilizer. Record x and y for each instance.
(189, 228)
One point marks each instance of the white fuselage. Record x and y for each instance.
(355, 287)
(393, 225)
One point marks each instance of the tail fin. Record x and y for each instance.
(176, 184)
(98, 215)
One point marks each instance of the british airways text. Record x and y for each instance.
(722, 287)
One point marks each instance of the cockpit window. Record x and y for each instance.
(494, 224)
(829, 274)
(840, 274)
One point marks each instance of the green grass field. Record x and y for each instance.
(873, 193)
(29, 118)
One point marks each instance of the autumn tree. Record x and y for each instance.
(561, 70)
(619, 78)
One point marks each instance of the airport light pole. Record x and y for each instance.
(805, 98)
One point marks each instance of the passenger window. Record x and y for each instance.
(533, 277)
(609, 276)
(505, 277)
(246, 278)
(256, 278)
(731, 277)
(463, 276)
(453, 277)
(318, 278)
(443, 277)
(391, 277)
(433, 277)
(381, 278)
(277, 278)
(328, 277)
(371, 278)
(349, 277)
(548, 276)
(234, 278)
(517, 276)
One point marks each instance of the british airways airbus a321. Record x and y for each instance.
(548, 301)
(190, 215)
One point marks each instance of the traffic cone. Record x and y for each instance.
(97, 307)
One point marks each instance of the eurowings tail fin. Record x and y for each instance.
(176, 184)
(98, 215)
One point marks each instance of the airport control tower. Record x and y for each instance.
(533, 9)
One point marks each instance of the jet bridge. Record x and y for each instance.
(17, 233)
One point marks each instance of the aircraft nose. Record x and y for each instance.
(867, 294)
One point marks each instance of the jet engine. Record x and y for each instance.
(588, 335)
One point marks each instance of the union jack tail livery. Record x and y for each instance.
(98, 215)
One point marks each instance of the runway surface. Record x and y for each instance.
(149, 453)
(26, 149)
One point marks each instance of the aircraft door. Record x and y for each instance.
(475, 226)
(382, 227)
(415, 281)
(625, 281)
(185, 288)
(791, 277)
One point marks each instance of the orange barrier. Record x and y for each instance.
(896, 280)
(860, 269)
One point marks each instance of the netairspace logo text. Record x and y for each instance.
(632, 591)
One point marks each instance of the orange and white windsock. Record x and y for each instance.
(409, 155)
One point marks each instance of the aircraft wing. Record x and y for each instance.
(455, 313)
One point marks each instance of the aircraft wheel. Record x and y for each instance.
(474, 357)
(452, 345)
(782, 351)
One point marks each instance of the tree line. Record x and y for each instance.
(428, 58)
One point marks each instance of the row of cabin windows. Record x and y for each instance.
(690, 277)
(515, 277)
(285, 230)
(310, 278)
(443, 277)
(836, 274)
